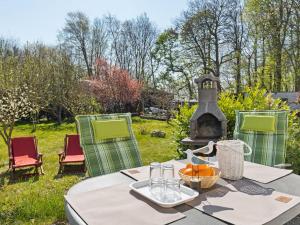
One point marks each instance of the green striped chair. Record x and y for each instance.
(108, 143)
(266, 133)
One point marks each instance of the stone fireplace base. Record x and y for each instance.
(196, 142)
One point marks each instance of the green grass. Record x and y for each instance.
(39, 199)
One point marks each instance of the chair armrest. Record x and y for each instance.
(61, 155)
(40, 156)
(283, 166)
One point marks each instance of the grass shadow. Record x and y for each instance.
(71, 170)
(59, 222)
(138, 120)
(55, 127)
(18, 176)
(45, 126)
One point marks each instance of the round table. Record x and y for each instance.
(289, 184)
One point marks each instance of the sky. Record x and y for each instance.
(40, 20)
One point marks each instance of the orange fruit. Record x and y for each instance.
(189, 165)
(206, 172)
(203, 167)
(195, 168)
(187, 171)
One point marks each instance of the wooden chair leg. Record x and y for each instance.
(36, 170)
(42, 170)
(84, 168)
(13, 170)
(61, 168)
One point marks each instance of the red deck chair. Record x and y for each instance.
(24, 153)
(72, 153)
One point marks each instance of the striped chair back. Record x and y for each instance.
(269, 147)
(111, 155)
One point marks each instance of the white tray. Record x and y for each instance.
(142, 187)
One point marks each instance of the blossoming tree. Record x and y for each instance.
(14, 105)
(114, 87)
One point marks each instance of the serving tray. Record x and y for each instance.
(142, 188)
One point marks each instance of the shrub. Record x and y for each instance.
(114, 88)
(152, 97)
(293, 150)
(182, 123)
(253, 98)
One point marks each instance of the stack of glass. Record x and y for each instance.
(163, 185)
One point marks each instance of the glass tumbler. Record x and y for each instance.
(155, 170)
(157, 188)
(172, 190)
(168, 171)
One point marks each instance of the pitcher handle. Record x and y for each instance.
(248, 146)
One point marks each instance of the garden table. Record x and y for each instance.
(289, 184)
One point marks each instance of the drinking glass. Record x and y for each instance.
(155, 170)
(168, 171)
(157, 188)
(172, 190)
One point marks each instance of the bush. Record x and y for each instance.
(293, 150)
(253, 98)
(182, 123)
(114, 88)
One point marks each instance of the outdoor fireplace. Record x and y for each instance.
(208, 122)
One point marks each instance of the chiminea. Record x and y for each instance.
(208, 122)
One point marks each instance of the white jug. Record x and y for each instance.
(230, 156)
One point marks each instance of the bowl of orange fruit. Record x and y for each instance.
(204, 174)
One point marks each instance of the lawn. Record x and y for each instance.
(39, 199)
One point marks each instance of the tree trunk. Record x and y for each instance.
(59, 114)
(6, 134)
(278, 74)
(255, 61)
(238, 72)
(189, 86)
(263, 63)
(249, 72)
(217, 57)
(89, 69)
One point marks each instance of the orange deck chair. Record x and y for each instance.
(24, 153)
(72, 153)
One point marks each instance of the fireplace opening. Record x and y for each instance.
(208, 127)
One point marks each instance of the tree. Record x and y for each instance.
(175, 66)
(63, 76)
(131, 44)
(236, 37)
(203, 31)
(293, 49)
(273, 18)
(14, 105)
(142, 36)
(114, 88)
(99, 41)
(76, 34)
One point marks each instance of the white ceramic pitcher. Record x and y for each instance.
(230, 156)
